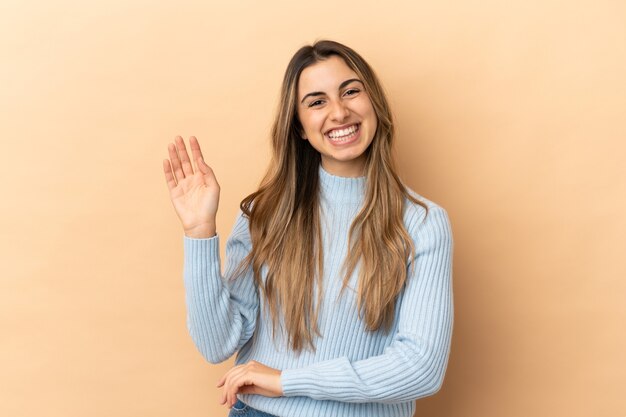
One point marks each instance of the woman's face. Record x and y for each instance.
(337, 116)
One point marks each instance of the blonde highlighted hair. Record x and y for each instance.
(284, 217)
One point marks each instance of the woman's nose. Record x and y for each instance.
(339, 111)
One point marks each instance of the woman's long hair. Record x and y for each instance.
(284, 217)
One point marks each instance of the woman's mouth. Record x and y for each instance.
(341, 136)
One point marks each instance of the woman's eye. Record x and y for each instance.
(351, 92)
(315, 103)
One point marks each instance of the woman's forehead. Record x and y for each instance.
(324, 76)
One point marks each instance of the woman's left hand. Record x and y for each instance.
(250, 378)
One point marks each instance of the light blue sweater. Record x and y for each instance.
(353, 372)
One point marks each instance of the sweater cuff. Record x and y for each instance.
(201, 246)
(191, 243)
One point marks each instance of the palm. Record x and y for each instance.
(194, 202)
(194, 193)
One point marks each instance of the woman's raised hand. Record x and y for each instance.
(195, 193)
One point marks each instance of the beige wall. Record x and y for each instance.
(511, 115)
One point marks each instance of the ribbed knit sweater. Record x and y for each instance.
(352, 372)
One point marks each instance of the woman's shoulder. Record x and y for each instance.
(422, 212)
(415, 208)
(241, 228)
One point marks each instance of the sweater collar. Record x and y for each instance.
(341, 189)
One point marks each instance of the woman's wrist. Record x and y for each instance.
(201, 232)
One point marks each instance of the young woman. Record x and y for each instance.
(337, 292)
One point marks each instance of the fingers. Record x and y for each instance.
(231, 382)
(198, 158)
(169, 175)
(252, 377)
(196, 153)
(180, 165)
(176, 165)
(184, 157)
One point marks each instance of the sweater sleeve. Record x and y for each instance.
(221, 312)
(414, 364)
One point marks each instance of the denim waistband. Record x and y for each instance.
(241, 409)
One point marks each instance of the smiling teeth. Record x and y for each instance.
(341, 133)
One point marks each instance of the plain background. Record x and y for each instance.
(510, 114)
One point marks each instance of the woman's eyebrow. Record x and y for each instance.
(320, 93)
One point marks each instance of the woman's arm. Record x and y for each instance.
(414, 364)
(221, 313)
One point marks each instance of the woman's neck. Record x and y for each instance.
(341, 189)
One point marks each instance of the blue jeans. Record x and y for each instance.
(242, 409)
